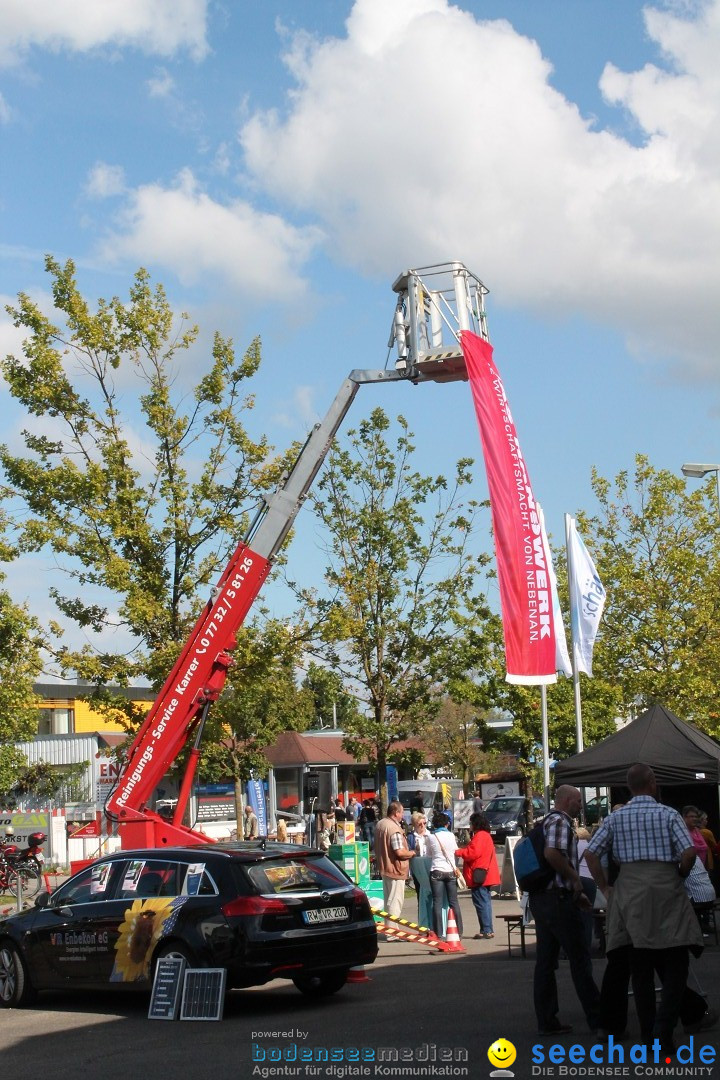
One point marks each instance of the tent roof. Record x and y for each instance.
(677, 752)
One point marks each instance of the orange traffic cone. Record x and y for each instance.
(454, 944)
(358, 975)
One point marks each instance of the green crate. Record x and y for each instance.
(354, 859)
(374, 891)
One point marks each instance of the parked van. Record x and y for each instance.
(410, 792)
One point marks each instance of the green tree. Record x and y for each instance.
(137, 487)
(20, 664)
(402, 581)
(333, 705)
(656, 546)
(479, 679)
(47, 784)
(451, 736)
(260, 701)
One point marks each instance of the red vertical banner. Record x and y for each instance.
(523, 572)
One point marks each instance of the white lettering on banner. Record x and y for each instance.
(220, 610)
(538, 591)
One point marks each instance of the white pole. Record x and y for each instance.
(579, 745)
(545, 745)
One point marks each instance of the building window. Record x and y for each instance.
(56, 721)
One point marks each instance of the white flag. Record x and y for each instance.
(587, 599)
(562, 658)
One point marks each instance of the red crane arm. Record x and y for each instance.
(197, 678)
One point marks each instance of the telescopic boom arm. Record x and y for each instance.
(435, 304)
(199, 675)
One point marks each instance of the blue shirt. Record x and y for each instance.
(642, 831)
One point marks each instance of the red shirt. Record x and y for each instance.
(480, 852)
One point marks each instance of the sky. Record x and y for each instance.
(277, 165)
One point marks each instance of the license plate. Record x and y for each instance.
(327, 914)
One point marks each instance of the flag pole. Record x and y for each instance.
(545, 745)
(579, 743)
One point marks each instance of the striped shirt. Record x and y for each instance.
(642, 831)
(698, 884)
(398, 841)
(560, 834)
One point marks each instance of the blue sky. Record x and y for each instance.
(276, 165)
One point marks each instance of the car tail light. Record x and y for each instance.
(254, 905)
(362, 904)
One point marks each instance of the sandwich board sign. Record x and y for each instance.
(166, 989)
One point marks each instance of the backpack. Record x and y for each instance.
(533, 872)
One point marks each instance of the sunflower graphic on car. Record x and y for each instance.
(144, 923)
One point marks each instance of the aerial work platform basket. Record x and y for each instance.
(435, 304)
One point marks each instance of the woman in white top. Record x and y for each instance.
(442, 846)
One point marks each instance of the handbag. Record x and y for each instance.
(478, 875)
(460, 880)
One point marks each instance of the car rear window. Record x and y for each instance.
(296, 875)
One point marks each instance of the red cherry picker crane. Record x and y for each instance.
(435, 304)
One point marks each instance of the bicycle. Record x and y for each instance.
(28, 875)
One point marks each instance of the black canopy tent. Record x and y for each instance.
(682, 757)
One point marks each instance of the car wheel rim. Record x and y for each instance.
(7, 975)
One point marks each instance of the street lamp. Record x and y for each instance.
(701, 470)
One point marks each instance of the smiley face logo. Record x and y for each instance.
(502, 1053)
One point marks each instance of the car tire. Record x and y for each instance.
(16, 990)
(323, 984)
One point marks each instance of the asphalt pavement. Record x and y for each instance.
(421, 1014)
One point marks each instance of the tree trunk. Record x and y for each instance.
(382, 779)
(239, 809)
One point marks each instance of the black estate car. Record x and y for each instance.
(508, 815)
(260, 910)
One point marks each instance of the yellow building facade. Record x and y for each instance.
(62, 710)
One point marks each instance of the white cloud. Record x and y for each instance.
(300, 412)
(183, 229)
(161, 27)
(105, 180)
(469, 153)
(5, 111)
(161, 85)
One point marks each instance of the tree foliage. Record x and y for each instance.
(451, 737)
(44, 784)
(137, 488)
(20, 663)
(333, 706)
(402, 580)
(260, 701)
(656, 545)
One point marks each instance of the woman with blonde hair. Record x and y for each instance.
(417, 841)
